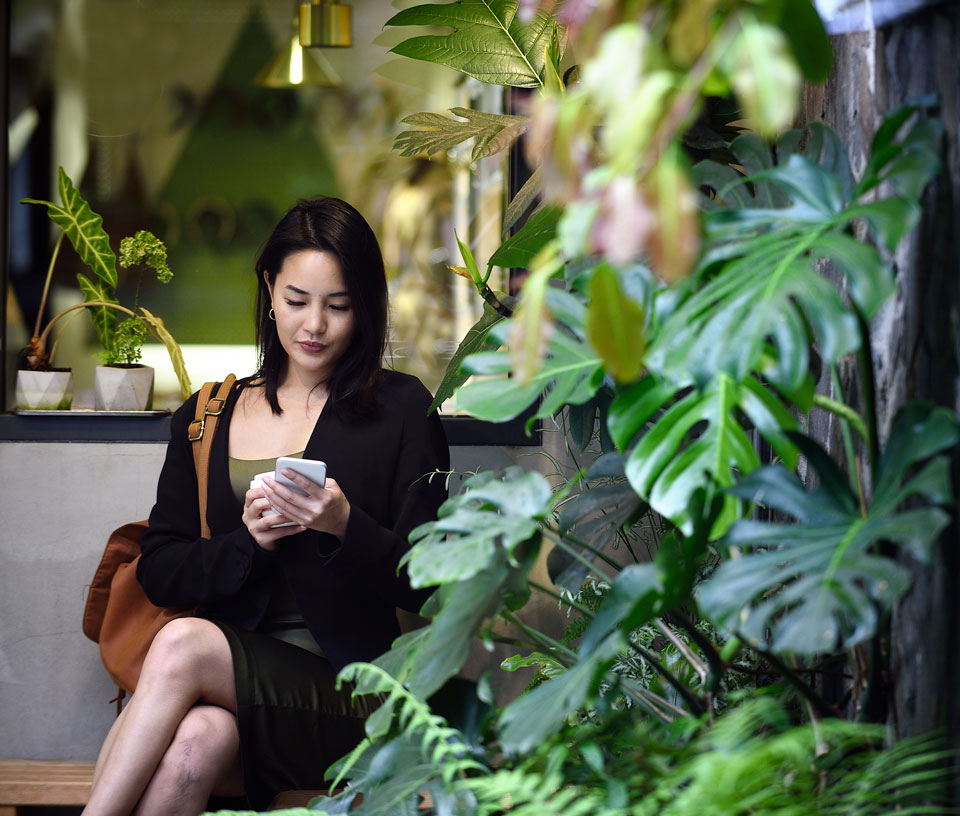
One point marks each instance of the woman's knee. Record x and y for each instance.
(204, 747)
(184, 645)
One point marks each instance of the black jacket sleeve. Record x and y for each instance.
(371, 551)
(177, 566)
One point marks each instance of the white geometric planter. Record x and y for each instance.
(44, 390)
(123, 388)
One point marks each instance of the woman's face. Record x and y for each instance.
(315, 318)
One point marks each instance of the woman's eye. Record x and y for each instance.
(294, 302)
(339, 308)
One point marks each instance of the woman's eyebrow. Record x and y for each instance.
(297, 291)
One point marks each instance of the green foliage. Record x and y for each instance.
(491, 132)
(488, 42)
(121, 342)
(127, 341)
(83, 227)
(676, 339)
(823, 583)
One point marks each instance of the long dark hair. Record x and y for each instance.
(329, 225)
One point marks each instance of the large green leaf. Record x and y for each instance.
(821, 584)
(84, 228)
(679, 453)
(765, 298)
(490, 513)
(104, 318)
(571, 372)
(615, 325)
(530, 719)
(473, 341)
(463, 607)
(728, 325)
(597, 516)
(488, 42)
(519, 250)
(492, 132)
(173, 349)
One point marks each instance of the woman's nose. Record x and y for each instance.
(315, 321)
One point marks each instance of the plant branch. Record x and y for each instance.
(562, 540)
(691, 699)
(818, 703)
(490, 296)
(540, 638)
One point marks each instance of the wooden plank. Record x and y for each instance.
(44, 782)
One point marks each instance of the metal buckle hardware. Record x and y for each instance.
(221, 401)
(199, 434)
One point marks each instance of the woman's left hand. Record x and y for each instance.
(324, 508)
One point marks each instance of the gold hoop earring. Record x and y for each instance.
(272, 315)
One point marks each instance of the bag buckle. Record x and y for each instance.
(196, 435)
(220, 402)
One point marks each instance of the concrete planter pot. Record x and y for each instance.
(50, 390)
(123, 388)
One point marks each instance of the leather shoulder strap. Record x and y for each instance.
(200, 433)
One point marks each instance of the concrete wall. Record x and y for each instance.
(59, 503)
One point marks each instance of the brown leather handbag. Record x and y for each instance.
(117, 614)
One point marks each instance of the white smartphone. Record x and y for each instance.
(313, 469)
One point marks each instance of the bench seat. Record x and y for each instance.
(43, 782)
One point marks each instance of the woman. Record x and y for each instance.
(242, 700)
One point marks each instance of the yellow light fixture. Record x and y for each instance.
(325, 24)
(293, 67)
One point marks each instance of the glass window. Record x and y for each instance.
(154, 109)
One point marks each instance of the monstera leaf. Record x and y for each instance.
(598, 516)
(698, 436)
(488, 42)
(492, 132)
(571, 372)
(822, 583)
(490, 513)
(765, 297)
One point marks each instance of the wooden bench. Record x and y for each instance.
(25, 782)
(42, 782)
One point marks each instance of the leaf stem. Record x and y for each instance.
(46, 284)
(563, 539)
(844, 411)
(539, 637)
(706, 647)
(852, 464)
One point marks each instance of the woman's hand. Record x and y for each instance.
(260, 524)
(324, 508)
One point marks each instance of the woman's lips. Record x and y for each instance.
(311, 348)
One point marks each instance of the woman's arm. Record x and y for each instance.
(178, 567)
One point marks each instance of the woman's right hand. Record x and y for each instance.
(261, 526)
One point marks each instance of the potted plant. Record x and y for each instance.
(39, 385)
(121, 383)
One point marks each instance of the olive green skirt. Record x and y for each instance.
(293, 722)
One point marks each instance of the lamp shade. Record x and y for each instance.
(294, 67)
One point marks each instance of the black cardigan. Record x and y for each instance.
(348, 592)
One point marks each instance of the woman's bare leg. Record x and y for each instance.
(188, 662)
(203, 758)
(103, 756)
